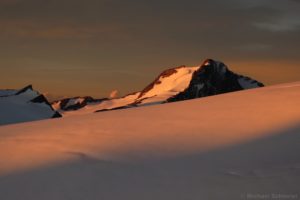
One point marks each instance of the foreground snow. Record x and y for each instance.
(222, 147)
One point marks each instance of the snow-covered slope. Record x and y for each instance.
(230, 146)
(4, 93)
(175, 84)
(166, 85)
(24, 105)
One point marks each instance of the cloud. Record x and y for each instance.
(280, 25)
(287, 18)
(113, 94)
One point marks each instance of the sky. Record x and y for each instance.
(92, 47)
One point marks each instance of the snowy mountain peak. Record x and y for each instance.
(24, 105)
(216, 66)
(25, 89)
(213, 78)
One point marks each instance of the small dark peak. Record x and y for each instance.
(56, 115)
(29, 87)
(41, 99)
(64, 103)
(89, 99)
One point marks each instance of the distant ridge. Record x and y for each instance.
(174, 84)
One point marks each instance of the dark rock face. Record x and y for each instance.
(42, 99)
(214, 78)
(117, 108)
(56, 115)
(29, 87)
(66, 105)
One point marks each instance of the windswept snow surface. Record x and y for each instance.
(232, 146)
